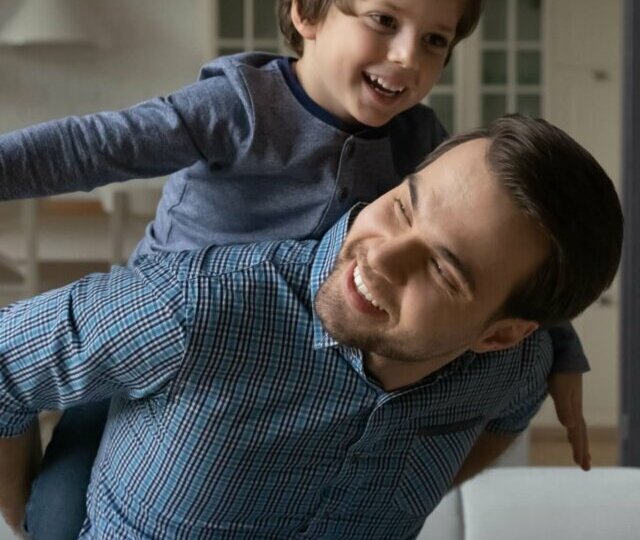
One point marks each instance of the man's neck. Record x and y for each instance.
(393, 375)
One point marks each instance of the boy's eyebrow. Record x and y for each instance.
(390, 6)
(441, 250)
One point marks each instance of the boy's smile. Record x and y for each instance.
(379, 60)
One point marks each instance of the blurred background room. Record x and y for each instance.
(559, 59)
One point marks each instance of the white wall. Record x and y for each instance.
(156, 46)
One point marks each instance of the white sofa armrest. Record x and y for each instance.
(539, 503)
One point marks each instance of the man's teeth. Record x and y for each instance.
(362, 288)
(380, 84)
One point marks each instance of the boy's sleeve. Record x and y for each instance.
(154, 138)
(568, 355)
(103, 334)
(532, 391)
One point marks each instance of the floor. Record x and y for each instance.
(549, 447)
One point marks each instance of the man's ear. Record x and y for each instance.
(503, 334)
(305, 28)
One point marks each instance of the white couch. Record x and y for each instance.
(541, 503)
(534, 503)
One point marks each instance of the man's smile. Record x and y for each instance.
(362, 289)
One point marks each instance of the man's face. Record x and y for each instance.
(426, 266)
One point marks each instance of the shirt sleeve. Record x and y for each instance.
(568, 354)
(104, 334)
(531, 391)
(155, 138)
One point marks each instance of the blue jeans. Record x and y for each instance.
(56, 507)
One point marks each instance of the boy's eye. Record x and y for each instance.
(387, 21)
(436, 40)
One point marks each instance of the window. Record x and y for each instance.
(245, 25)
(511, 58)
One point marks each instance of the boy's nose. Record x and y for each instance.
(403, 50)
(395, 259)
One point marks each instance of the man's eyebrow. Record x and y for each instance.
(441, 250)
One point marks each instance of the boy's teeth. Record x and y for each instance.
(381, 84)
(362, 288)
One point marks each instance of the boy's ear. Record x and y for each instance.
(503, 334)
(304, 27)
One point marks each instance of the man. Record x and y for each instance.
(331, 389)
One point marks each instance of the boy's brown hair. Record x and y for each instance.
(316, 10)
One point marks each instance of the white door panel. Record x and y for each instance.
(584, 98)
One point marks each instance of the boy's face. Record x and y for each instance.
(384, 59)
(427, 265)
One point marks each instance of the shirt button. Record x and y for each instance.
(343, 194)
(348, 149)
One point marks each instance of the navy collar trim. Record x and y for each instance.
(360, 130)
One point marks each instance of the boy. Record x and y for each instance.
(268, 147)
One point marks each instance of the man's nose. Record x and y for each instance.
(395, 259)
(404, 49)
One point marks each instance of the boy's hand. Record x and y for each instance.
(566, 391)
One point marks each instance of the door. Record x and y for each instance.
(583, 59)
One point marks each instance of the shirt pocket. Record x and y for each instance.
(434, 458)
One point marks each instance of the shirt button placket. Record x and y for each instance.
(347, 153)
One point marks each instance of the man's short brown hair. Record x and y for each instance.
(315, 11)
(565, 192)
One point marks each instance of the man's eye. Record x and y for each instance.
(387, 21)
(441, 272)
(403, 211)
(437, 267)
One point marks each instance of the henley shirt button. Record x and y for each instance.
(348, 149)
(343, 194)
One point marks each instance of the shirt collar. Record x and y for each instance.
(286, 68)
(325, 259)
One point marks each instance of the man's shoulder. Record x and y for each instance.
(218, 261)
(533, 356)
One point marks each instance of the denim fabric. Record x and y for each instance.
(57, 508)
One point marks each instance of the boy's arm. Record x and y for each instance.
(568, 354)
(80, 153)
(565, 388)
(19, 462)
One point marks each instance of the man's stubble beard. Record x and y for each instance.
(330, 307)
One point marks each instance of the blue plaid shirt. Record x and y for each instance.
(235, 415)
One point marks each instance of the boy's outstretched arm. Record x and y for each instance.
(80, 153)
(19, 462)
(565, 388)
